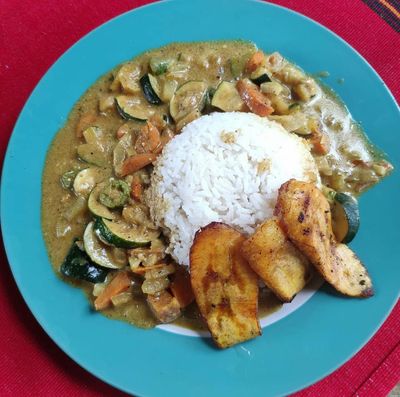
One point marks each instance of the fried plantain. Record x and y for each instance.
(282, 267)
(305, 217)
(224, 285)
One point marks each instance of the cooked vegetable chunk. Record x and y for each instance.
(148, 139)
(305, 216)
(160, 65)
(67, 179)
(227, 98)
(121, 234)
(225, 287)
(255, 61)
(281, 266)
(121, 282)
(189, 97)
(92, 154)
(87, 179)
(260, 76)
(346, 217)
(78, 265)
(253, 98)
(130, 108)
(114, 194)
(181, 287)
(136, 163)
(97, 208)
(151, 89)
(164, 306)
(100, 253)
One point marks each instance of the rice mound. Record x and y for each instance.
(224, 167)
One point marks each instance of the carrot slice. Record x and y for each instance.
(181, 287)
(148, 140)
(320, 147)
(253, 98)
(154, 137)
(255, 61)
(320, 143)
(118, 284)
(136, 188)
(137, 162)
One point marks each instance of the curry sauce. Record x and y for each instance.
(104, 131)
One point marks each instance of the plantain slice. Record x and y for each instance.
(225, 287)
(305, 217)
(351, 272)
(282, 267)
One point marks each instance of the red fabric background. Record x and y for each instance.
(33, 34)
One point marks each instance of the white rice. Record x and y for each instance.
(224, 167)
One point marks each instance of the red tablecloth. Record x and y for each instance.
(33, 34)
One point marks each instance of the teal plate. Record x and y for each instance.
(293, 352)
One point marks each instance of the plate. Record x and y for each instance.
(294, 351)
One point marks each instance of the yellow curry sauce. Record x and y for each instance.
(346, 160)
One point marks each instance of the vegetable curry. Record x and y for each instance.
(95, 219)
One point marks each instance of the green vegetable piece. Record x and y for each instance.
(189, 97)
(78, 265)
(345, 217)
(151, 89)
(294, 106)
(128, 109)
(209, 96)
(227, 98)
(159, 65)
(168, 119)
(67, 179)
(121, 235)
(92, 154)
(114, 194)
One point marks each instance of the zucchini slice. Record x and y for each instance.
(99, 252)
(67, 179)
(92, 154)
(167, 119)
(95, 207)
(129, 108)
(87, 179)
(187, 119)
(227, 98)
(189, 97)
(345, 217)
(260, 76)
(77, 264)
(120, 234)
(160, 65)
(151, 89)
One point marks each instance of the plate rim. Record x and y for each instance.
(41, 321)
